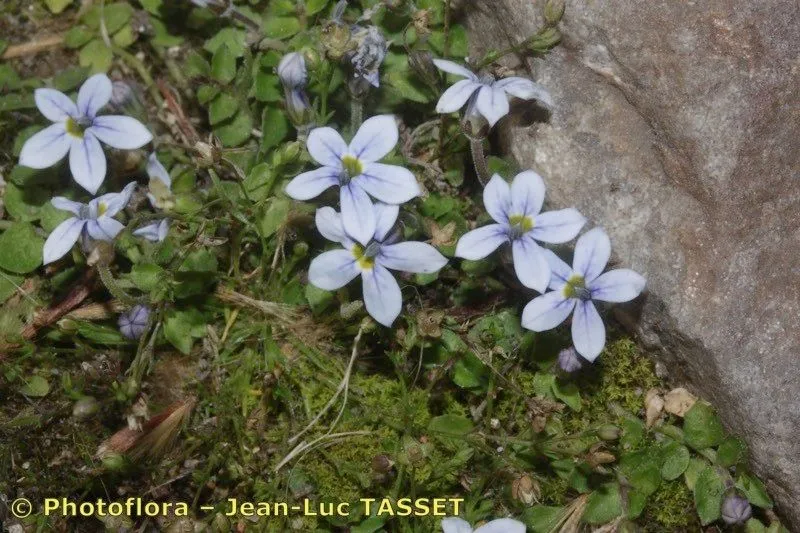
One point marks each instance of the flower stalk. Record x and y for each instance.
(479, 159)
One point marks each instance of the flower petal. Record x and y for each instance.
(333, 270)
(479, 243)
(112, 203)
(588, 330)
(155, 170)
(327, 147)
(454, 68)
(502, 525)
(311, 184)
(87, 162)
(358, 215)
(560, 272)
(389, 183)
(547, 311)
(62, 239)
(94, 94)
(492, 104)
(385, 217)
(527, 194)
(497, 199)
(155, 232)
(104, 228)
(376, 137)
(65, 204)
(591, 254)
(557, 227)
(121, 132)
(526, 90)
(45, 148)
(412, 256)
(382, 295)
(54, 105)
(621, 285)
(456, 96)
(329, 224)
(530, 263)
(454, 524)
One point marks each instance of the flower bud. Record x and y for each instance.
(421, 19)
(133, 323)
(608, 432)
(336, 40)
(554, 11)
(208, 154)
(736, 510)
(526, 490)
(292, 71)
(367, 59)
(421, 62)
(569, 361)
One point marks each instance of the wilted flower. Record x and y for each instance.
(354, 169)
(160, 186)
(368, 57)
(335, 269)
(575, 288)
(485, 95)
(294, 77)
(155, 232)
(569, 360)
(78, 129)
(516, 211)
(501, 525)
(133, 323)
(736, 510)
(93, 220)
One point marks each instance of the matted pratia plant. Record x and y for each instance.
(268, 251)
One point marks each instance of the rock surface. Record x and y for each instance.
(676, 129)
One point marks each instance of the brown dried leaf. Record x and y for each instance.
(679, 401)
(654, 406)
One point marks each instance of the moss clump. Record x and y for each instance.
(626, 376)
(670, 508)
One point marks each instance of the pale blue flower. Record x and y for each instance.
(78, 129)
(160, 188)
(516, 211)
(334, 269)
(576, 288)
(484, 95)
(355, 170)
(93, 220)
(155, 232)
(369, 55)
(133, 323)
(501, 525)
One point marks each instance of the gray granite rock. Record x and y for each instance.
(677, 128)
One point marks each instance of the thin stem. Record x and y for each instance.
(356, 114)
(479, 159)
(141, 69)
(113, 287)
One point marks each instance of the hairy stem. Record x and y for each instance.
(113, 287)
(356, 114)
(479, 159)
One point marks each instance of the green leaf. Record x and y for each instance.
(20, 248)
(274, 126)
(266, 87)
(281, 27)
(701, 426)
(273, 217)
(569, 394)
(232, 38)
(754, 490)
(182, 327)
(469, 372)
(642, 468)
(222, 107)
(692, 472)
(315, 6)
(542, 519)
(113, 16)
(146, 276)
(603, 505)
(319, 300)
(100, 334)
(152, 6)
(78, 36)
(235, 131)
(8, 285)
(223, 64)
(206, 93)
(96, 56)
(25, 204)
(675, 457)
(450, 425)
(57, 6)
(370, 525)
(754, 526)
(35, 387)
(731, 452)
(124, 37)
(259, 182)
(196, 65)
(70, 78)
(708, 492)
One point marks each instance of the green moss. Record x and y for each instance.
(671, 508)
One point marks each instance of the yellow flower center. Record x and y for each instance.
(576, 288)
(101, 209)
(364, 261)
(74, 128)
(520, 225)
(352, 166)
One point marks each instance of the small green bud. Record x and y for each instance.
(114, 462)
(554, 11)
(608, 432)
(290, 152)
(545, 40)
(300, 249)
